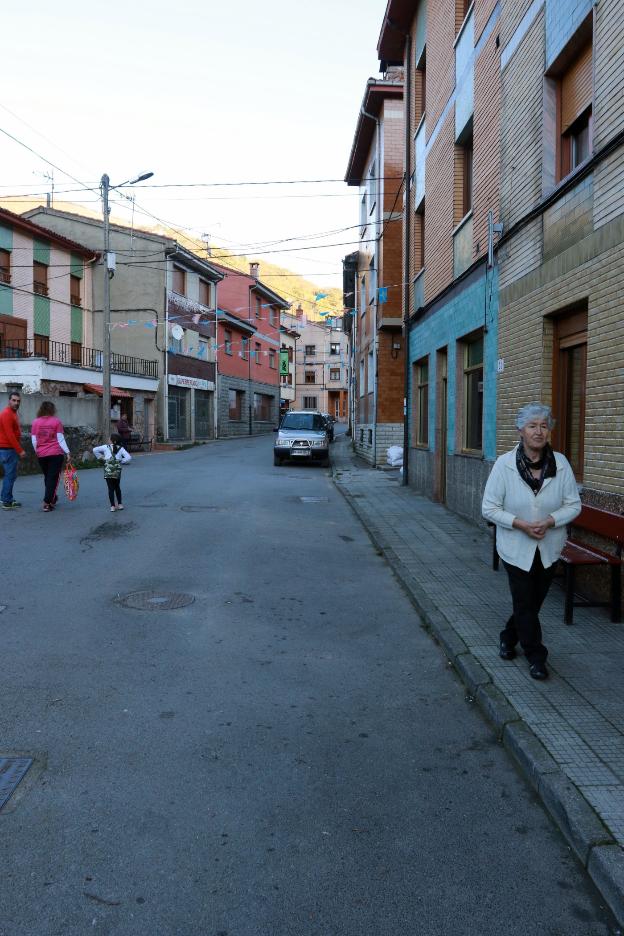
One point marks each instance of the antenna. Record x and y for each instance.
(206, 240)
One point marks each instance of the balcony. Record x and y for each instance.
(74, 355)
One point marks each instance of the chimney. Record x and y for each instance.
(254, 269)
(299, 311)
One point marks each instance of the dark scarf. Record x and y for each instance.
(546, 464)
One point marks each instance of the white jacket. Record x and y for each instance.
(105, 453)
(507, 496)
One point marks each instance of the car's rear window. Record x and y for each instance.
(303, 421)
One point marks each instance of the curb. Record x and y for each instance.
(585, 833)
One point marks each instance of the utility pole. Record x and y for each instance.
(106, 340)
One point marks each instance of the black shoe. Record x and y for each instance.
(506, 652)
(538, 671)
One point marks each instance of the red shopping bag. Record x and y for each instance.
(70, 481)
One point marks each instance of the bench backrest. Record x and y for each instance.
(602, 523)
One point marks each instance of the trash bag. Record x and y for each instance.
(394, 456)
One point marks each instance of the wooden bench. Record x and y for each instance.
(576, 553)
(137, 444)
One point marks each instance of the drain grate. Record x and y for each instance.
(12, 771)
(196, 508)
(156, 600)
(314, 500)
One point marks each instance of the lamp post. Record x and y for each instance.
(109, 271)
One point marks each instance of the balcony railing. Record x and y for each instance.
(74, 354)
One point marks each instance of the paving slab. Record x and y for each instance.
(566, 734)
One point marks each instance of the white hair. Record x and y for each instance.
(534, 411)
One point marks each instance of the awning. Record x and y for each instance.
(115, 391)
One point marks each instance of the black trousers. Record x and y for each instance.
(528, 591)
(51, 466)
(114, 489)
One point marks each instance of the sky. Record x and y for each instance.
(197, 93)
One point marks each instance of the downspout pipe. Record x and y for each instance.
(378, 199)
(407, 243)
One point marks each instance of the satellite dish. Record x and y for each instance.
(178, 332)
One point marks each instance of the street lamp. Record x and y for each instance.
(109, 270)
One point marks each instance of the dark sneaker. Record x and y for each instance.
(538, 671)
(506, 651)
(11, 506)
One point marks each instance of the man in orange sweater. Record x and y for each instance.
(10, 450)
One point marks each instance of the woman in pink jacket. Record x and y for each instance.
(49, 443)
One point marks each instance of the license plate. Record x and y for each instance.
(304, 452)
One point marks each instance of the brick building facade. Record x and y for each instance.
(451, 57)
(377, 358)
(561, 257)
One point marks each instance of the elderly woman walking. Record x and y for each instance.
(531, 496)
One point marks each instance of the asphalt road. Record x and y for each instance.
(288, 755)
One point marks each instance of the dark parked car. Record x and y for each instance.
(302, 435)
(329, 421)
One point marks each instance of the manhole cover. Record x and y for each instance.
(12, 770)
(314, 500)
(156, 600)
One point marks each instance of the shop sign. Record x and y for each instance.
(194, 383)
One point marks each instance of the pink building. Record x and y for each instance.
(247, 353)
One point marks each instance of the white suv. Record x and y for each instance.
(302, 434)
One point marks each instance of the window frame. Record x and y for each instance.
(5, 267)
(258, 352)
(75, 299)
(237, 409)
(421, 403)
(332, 373)
(40, 286)
(178, 275)
(227, 341)
(468, 370)
(307, 405)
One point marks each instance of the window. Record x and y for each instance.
(204, 293)
(258, 352)
(464, 177)
(263, 405)
(235, 399)
(575, 113)
(473, 395)
(310, 350)
(334, 347)
(272, 359)
(286, 379)
(370, 436)
(461, 10)
(5, 266)
(421, 402)
(419, 240)
(362, 375)
(371, 372)
(202, 349)
(363, 215)
(258, 307)
(42, 346)
(334, 373)
(363, 295)
(310, 377)
(309, 402)
(74, 290)
(40, 278)
(371, 190)
(569, 382)
(76, 352)
(227, 341)
(273, 315)
(244, 351)
(178, 281)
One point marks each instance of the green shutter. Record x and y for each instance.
(41, 251)
(76, 324)
(77, 266)
(42, 316)
(6, 238)
(6, 300)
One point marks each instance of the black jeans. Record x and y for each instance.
(51, 466)
(114, 488)
(528, 591)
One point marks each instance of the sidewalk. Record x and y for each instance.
(566, 734)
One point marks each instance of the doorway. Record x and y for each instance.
(441, 425)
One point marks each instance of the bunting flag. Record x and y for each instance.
(320, 295)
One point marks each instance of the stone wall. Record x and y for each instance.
(229, 428)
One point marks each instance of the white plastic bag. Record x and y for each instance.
(394, 456)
